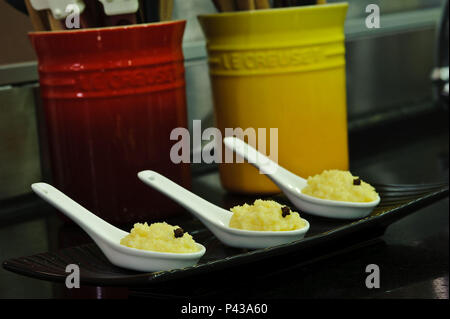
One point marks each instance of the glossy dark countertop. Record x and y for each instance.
(412, 254)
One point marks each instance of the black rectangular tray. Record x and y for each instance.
(397, 201)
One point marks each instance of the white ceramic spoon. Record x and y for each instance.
(108, 237)
(218, 219)
(292, 185)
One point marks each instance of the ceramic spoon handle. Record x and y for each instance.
(195, 204)
(274, 171)
(92, 224)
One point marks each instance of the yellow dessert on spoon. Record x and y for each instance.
(341, 186)
(160, 237)
(265, 215)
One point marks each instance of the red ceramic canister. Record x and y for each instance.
(111, 97)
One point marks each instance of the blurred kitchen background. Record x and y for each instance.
(388, 76)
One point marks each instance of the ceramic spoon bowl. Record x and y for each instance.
(291, 185)
(217, 219)
(108, 237)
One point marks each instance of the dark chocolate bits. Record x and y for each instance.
(285, 211)
(356, 181)
(179, 232)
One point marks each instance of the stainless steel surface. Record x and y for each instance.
(357, 8)
(198, 92)
(198, 86)
(442, 60)
(18, 73)
(384, 73)
(19, 150)
(188, 10)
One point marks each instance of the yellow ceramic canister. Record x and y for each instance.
(285, 69)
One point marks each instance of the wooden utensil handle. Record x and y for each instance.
(165, 10)
(224, 5)
(120, 19)
(38, 19)
(245, 5)
(55, 24)
(262, 4)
